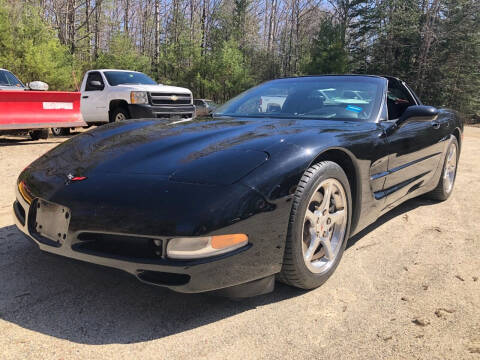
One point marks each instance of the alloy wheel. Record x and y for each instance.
(325, 224)
(450, 169)
(120, 117)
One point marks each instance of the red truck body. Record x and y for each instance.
(24, 110)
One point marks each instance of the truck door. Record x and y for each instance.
(93, 104)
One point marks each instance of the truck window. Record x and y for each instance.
(93, 76)
(12, 79)
(115, 78)
(3, 78)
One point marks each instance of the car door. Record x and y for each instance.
(415, 147)
(93, 102)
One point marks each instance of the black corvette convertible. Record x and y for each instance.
(271, 185)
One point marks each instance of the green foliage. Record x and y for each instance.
(122, 54)
(31, 49)
(327, 55)
(218, 49)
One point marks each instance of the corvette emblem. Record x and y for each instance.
(71, 178)
(174, 97)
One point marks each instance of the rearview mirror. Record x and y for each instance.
(419, 113)
(96, 84)
(38, 86)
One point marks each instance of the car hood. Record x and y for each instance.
(166, 89)
(205, 150)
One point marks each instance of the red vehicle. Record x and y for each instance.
(35, 111)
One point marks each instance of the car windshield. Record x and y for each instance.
(324, 97)
(8, 79)
(115, 78)
(211, 104)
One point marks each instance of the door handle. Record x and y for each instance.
(436, 125)
(85, 97)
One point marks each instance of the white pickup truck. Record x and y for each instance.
(113, 95)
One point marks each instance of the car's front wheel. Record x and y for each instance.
(319, 226)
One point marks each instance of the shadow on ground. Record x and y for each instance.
(89, 304)
(25, 139)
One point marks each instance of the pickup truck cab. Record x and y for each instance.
(110, 95)
(10, 82)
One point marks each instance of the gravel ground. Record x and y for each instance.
(407, 288)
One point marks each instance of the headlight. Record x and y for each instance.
(138, 97)
(201, 247)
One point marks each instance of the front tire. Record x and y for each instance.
(60, 131)
(119, 114)
(39, 134)
(319, 226)
(449, 173)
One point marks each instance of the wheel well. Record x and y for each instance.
(456, 132)
(115, 104)
(346, 163)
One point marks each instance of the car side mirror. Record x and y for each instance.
(96, 84)
(37, 86)
(418, 113)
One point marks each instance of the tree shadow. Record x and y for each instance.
(90, 304)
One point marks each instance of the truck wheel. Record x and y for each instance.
(39, 134)
(60, 131)
(119, 114)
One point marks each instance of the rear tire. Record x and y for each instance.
(319, 226)
(449, 173)
(119, 114)
(39, 134)
(60, 131)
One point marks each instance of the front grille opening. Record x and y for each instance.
(174, 116)
(126, 247)
(170, 99)
(19, 212)
(163, 278)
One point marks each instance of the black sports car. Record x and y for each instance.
(273, 184)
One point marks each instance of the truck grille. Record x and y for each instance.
(170, 99)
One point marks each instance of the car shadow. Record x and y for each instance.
(398, 211)
(26, 141)
(89, 304)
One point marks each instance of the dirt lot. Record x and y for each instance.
(407, 288)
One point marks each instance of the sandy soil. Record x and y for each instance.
(407, 288)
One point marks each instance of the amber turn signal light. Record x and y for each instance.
(206, 246)
(225, 241)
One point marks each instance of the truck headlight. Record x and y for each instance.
(201, 247)
(138, 97)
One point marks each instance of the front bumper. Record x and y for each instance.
(249, 264)
(178, 112)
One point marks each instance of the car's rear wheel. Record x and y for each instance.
(449, 172)
(119, 114)
(319, 226)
